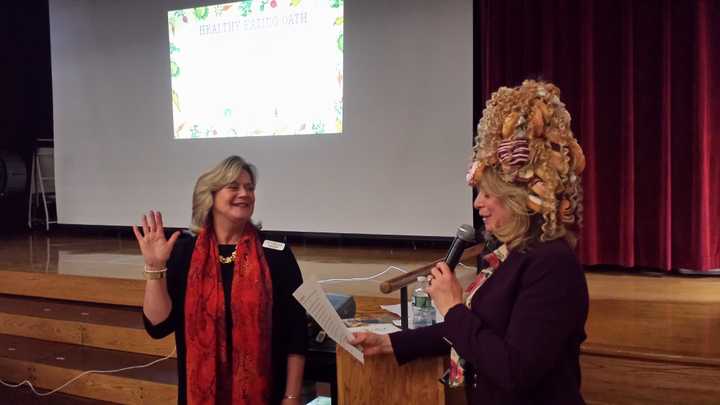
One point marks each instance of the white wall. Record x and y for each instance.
(398, 168)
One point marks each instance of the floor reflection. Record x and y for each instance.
(119, 257)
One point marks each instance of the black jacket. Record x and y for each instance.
(522, 337)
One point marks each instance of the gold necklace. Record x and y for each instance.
(228, 259)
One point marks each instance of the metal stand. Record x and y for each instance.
(38, 182)
(404, 308)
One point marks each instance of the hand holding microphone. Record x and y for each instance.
(444, 287)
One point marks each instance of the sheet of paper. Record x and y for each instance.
(395, 309)
(312, 297)
(379, 328)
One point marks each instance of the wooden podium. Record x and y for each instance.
(381, 381)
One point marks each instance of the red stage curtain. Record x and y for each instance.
(642, 82)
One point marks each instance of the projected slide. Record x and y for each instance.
(257, 68)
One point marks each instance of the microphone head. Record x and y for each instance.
(466, 233)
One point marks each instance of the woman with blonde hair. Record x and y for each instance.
(514, 334)
(226, 293)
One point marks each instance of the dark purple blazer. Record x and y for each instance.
(521, 339)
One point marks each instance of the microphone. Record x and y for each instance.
(465, 237)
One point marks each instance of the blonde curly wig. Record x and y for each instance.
(524, 139)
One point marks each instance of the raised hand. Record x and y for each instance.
(154, 246)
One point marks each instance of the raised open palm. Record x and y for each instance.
(154, 246)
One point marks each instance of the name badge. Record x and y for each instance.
(271, 244)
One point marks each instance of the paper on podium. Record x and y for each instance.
(312, 297)
(395, 309)
(379, 328)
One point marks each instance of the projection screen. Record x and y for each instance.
(383, 152)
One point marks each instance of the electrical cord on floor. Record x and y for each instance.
(336, 280)
(72, 380)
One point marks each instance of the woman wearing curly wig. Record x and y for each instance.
(227, 296)
(514, 334)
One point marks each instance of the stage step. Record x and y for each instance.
(94, 325)
(48, 365)
(104, 290)
(50, 341)
(25, 397)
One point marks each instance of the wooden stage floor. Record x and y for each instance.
(652, 338)
(119, 258)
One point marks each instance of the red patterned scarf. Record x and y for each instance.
(210, 377)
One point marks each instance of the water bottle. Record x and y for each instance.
(423, 311)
